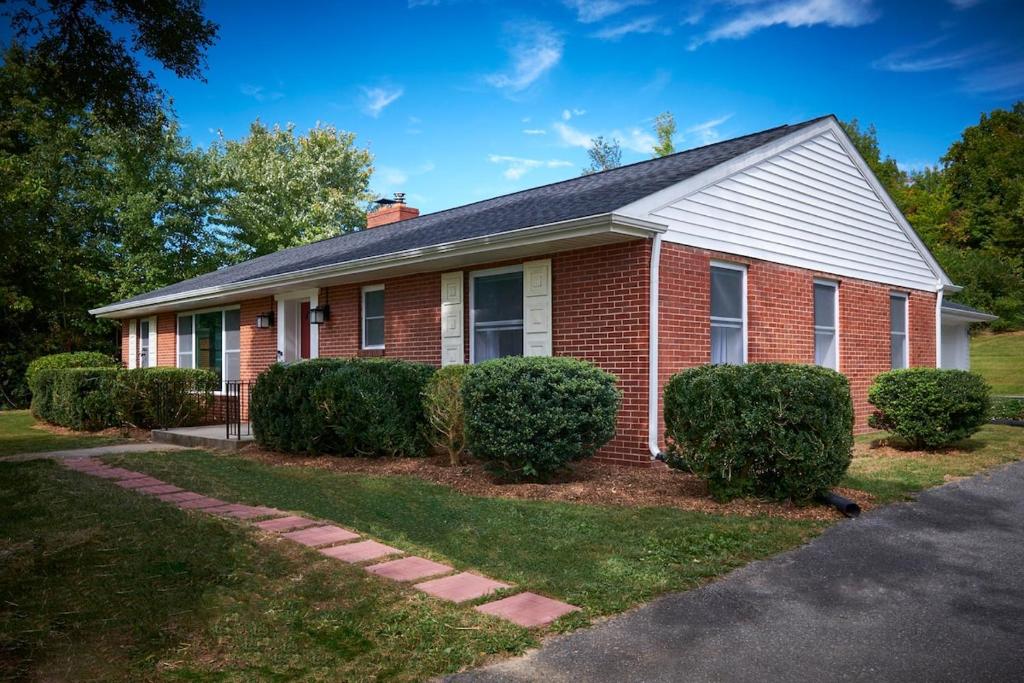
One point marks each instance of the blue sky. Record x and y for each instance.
(460, 100)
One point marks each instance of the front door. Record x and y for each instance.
(295, 336)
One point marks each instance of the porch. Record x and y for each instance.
(214, 436)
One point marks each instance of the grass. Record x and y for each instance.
(104, 584)
(893, 478)
(17, 435)
(999, 358)
(604, 559)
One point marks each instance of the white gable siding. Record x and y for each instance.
(809, 205)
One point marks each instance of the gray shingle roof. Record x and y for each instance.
(591, 195)
(956, 306)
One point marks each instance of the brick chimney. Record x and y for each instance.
(390, 211)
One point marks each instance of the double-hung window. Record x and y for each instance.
(373, 317)
(497, 314)
(898, 331)
(210, 340)
(826, 324)
(728, 314)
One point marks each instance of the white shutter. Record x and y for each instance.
(452, 345)
(151, 359)
(132, 352)
(537, 308)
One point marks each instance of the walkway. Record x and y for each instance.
(141, 447)
(439, 580)
(931, 590)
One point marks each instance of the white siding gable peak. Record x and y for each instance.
(807, 200)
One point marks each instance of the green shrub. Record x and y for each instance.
(81, 398)
(162, 398)
(766, 429)
(283, 413)
(1007, 409)
(346, 406)
(531, 417)
(374, 407)
(41, 390)
(928, 407)
(442, 405)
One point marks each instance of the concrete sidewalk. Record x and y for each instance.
(114, 449)
(930, 590)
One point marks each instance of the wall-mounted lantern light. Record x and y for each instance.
(265, 320)
(319, 315)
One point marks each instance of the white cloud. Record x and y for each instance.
(791, 13)
(571, 136)
(569, 113)
(589, 11)
(517, 167)
(389, 179)
(914, 59)
(535, 50)
(535, 131)
(376, 99)
(641, 25)
(660, 80)
(707, 132)
(1001, 80)
(634, 139)
(259, 93)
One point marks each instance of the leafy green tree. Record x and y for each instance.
(280, 189)
(604, 155)
(664, 130)
(885, 169)
(79, 50)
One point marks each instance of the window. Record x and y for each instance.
(826, 299)
(373, 317)
(728, 314)
(210, 341)
(898, 330)
(497, 314)
(144, 360)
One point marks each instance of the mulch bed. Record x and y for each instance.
(589, 482)
(111, 432)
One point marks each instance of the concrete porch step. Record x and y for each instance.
(209, 436)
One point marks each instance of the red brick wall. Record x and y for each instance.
(780, 324)
(167, 339)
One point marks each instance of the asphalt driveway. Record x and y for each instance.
(930, 590)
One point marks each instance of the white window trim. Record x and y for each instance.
(362, 304)
(834, 284)
(729, 265)
(472, 303)
(195, 351)
(906, 327)
(314, 330)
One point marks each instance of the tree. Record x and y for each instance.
(81, 64)
(886, 170)
(604, 155)
(279, 189)
(664, 130)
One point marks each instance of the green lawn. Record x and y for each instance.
(604, 559)
(98, 583)
(17, 435)
(892, 478)
(999, 358)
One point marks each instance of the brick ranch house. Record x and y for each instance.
(775, 246)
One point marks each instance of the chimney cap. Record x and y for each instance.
(383, 202)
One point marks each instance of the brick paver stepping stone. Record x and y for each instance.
(527, 609)
(408, 568)
(157, 489)
(289, 523)
(240, 511)
(320, 535)
(180, 496)
(360, 552)
(139, 483)
(83, 463)
(117, 473)
(201, 503)
(461, 587)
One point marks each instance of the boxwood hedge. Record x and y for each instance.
(766, 429)
(41, 390)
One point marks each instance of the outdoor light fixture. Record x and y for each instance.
(265, 320)
(319, 315)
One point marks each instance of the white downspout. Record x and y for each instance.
(652, 361)
(938, 325)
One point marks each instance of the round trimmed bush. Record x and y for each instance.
(929, 408)
(528, 418)
(442, 405)
(82, 398)
(41, 388)
(284, 415)
(773, 430)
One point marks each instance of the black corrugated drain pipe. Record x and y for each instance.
(844, 505)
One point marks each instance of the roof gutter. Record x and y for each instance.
(607, 223)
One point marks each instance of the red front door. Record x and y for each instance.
(304, 326)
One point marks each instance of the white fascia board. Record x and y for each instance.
(642, 208)
(607, 223)
(957, 315)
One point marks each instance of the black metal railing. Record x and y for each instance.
(234, 393)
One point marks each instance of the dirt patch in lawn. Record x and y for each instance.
(111, 432)
(589, 482)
